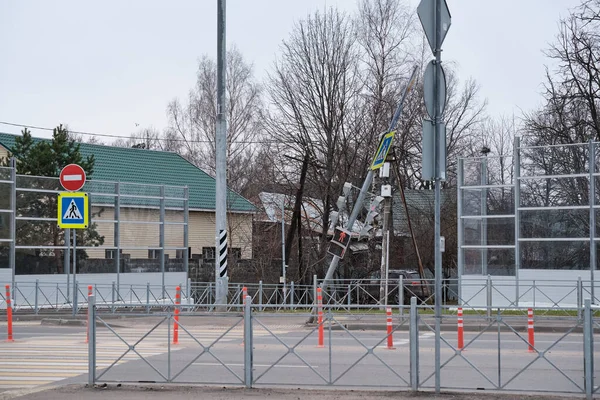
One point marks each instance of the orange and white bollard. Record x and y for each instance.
(461, 341)
(320, 317)
(530, 329)
(390, 338)
(9, 337)
(176, 324)
(244, 294)
(87, 334)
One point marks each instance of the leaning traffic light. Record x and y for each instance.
(371, 214)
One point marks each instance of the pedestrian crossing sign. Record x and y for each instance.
(385, 143)
(73, 210)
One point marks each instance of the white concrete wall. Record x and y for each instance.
(537, 288)
(52, 289)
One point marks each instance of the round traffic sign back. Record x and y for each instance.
(72, 177)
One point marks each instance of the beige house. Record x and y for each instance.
(139, 220)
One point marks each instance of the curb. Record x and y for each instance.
(63, 322)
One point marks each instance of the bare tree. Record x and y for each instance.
(149, 139)
(313, 89)
(572, 110)
(194, 122)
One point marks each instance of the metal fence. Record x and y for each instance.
(530, 215)
(134, 228)
(546, 296)
(251, 349)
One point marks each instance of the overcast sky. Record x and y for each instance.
(106, 66)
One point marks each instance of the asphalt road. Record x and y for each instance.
(43, 355)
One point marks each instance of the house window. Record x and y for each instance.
(208, 253)
(235, 252)
(180, 253)
(110, 254)
(153, 253)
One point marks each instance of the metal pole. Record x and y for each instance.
(74, 269)
(260, 295)
(483, 205)
(579, 297)
(147, 297)
(92, 339)
(67, 262)
(248, 362)
(414, 345)
(401, 295)
(75, 297)
(367, 183)
(161, 239)
(385, 244)
(588, 350)
(221, 161)
(113, 296)
(188, 290)
(12, 252)
(460, 237)
(517, 183)
(117, 235)
(186, 235)
(37, 287)
(488, 296)
(283, 266)
(437, 120)
(592, 196)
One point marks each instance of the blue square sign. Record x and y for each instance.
(73, 210)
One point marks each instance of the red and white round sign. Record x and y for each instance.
(72, 177)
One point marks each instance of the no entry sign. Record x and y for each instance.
(72, 177)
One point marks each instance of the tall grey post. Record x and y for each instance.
(588, 350)
(12, 256)
(67, 262)
(484, 192)
(161, 239)
(283, 266)
(221, 163)
(414, 345)
(592, 196)
(248, 354)
(186, 234)
(460, 228)
(91, 339)
(385, 239)
(437, 118)
(117, 236)
(435, 19)
(74, 269)
(517, 190)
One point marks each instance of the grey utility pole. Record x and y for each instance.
(386, 193)
(435, 18)
(221, 164)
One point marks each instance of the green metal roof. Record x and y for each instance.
(152, 167)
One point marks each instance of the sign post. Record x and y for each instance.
(436, 20)
(73, 213)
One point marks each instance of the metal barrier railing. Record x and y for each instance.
(549, 297)
(252, 349)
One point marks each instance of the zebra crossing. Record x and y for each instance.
(35, 361)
